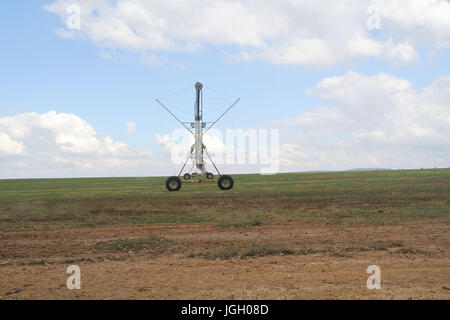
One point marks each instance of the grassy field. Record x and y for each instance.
(287, 236)
(377, 197)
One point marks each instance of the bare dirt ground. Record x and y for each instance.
(204, 261)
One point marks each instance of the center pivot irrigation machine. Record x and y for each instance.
(197, 151)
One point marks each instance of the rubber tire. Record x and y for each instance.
(209, 176)
(222, 180)
(170, 184)
(187, 176)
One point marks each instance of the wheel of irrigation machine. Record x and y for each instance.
(225, 182)
(209, 176)
(187, 176)
(173, 184)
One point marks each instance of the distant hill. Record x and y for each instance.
(369, 169)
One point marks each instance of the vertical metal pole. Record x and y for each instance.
(199, 128)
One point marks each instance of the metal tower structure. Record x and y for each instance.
(198, 149)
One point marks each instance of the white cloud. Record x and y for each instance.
(378, 121)
(302, 32)
(105, 54)
(62, 144)
(227, 153)
(131, 127)
(423, 22)
(181, 141)
(9, 146)
(402, 51)
(280, 31)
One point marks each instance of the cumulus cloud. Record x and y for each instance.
(131, 127)
(378, 121)
(371, 121)
(61, 144)
(180, 141)
(302, 32)
(234, 150)
(9, 146)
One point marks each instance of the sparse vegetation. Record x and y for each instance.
(413, 251)
(260, 249)
(240, 222)
(384, 245)
(245, 250)
(136, 244)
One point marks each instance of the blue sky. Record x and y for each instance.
(43, 71)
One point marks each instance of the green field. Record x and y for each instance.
(373, 197)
